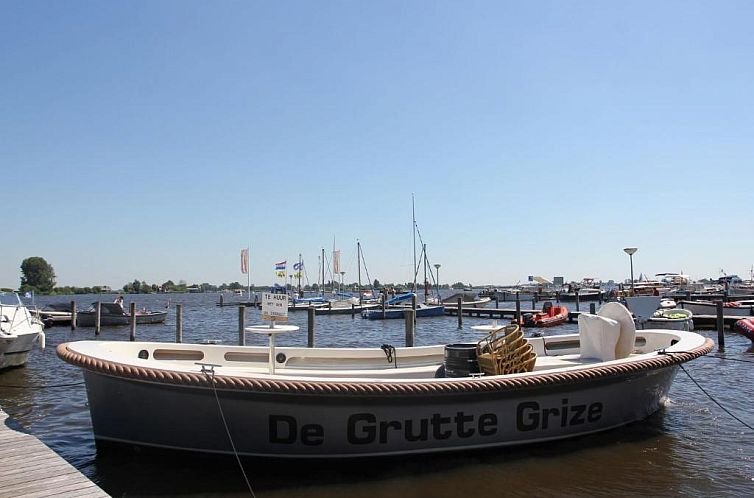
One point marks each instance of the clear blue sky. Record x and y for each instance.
(155, 139)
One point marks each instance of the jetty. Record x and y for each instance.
(501, 312)
(31, 469)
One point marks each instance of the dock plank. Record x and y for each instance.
(28, 468)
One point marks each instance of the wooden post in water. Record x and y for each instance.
(241, 325)
(73, 315)
(592, 308)
(577, 300)
(533, 304)
(97, 316)
(310, 327)
(497, 301)
(132, 320)
(179, 322)
(384, 298)
(413, 302)
(720, 325)
(410, 318)
(459, 301)
(518, 309)
(353, 310)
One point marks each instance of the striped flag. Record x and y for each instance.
(281, 265)
(244, 261)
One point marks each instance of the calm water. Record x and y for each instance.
(691, 447)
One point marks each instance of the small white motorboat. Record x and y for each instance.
(732, 308)
(19, 330)
(333, 402)
(673, 319)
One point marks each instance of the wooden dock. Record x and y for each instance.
(28, 468)
(500, 312)
(710, 321)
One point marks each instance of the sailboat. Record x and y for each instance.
(395, 306)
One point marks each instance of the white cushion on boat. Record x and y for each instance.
(627, 340)
(598, 336)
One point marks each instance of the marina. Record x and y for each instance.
(688, 415)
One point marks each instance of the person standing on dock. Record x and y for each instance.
(119, 302)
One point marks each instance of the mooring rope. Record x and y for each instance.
(210, 373)
(12, 386)
(713, 399)
(725, 358)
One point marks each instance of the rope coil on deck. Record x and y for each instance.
(389, 388)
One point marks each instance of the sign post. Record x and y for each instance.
(274, 309)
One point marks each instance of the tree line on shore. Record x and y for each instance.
(38, 276)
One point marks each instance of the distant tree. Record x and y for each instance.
(458, 285)
(376, 284)
(37, 275)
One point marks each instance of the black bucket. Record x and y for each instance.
(460, 360)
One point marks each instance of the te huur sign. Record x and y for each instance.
(274, 307)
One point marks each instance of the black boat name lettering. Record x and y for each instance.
(530, 415)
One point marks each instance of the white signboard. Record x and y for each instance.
(274, 306)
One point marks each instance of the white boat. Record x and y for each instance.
(19, 330)
(710, 308)
(330, 403)
(671, 318)
(467, 301)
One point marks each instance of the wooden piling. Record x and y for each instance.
(241, 325)
(221, 300)
(497, 301)
(384, 298)
(132, 319)
(353, 310)
(577, 301)
(310, 326)
(592, 308)
(533, 304)
(179, 322)
(410, 319)
(73, 315)
(720, 325)
(459, 302)
(97, 317)
(518, 309)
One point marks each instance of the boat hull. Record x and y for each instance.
(87, 319)
(745, 327)
(343, 425)
(583, 296)
(397, 313)
(707, 308)
(14, 350)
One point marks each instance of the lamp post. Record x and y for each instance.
(437, 268)
(630, 251)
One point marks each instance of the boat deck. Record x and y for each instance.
(30, 469)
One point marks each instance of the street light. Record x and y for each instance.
(437, 268)
(630, 251)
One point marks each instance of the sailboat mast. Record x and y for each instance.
(299, 275)
(413, 232)
(426, 287)
(322, 289)
(358, 266)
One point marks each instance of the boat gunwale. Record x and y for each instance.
(391, 387)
